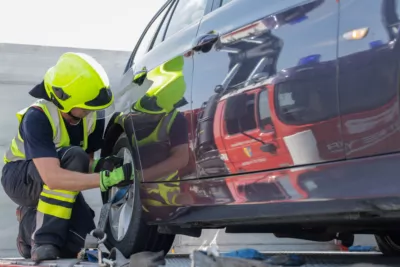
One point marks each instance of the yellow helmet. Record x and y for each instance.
(167, 91)
(76, 81)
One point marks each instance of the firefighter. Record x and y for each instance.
(162, 131)
(50, 160)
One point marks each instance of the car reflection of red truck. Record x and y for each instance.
(270, 138)
(276, 121)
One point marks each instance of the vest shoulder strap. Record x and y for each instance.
(92, 122)
(48, 108)
(165, 125)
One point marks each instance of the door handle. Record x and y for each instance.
(139, 76)
(268, 148)
(205, 42)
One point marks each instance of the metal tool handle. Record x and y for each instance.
(99, 234)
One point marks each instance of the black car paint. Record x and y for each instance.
(336, 188)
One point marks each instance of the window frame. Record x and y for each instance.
(171, 6)
(259, 120)
(216, 4)
(254, 97)
(168, 4)
(169, 13)
(208, 9)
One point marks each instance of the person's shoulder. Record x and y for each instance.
(180, 122)
(37, 133)
(35, 114)
(180, 118)
(35, 121)
(179, 130)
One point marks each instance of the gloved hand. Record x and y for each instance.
(123, 175)
(107, 163)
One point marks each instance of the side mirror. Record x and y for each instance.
(218, 89)
(268, 148)
(139, 77)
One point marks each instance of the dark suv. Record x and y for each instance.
(292, 122)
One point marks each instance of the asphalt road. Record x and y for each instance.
(21, 67)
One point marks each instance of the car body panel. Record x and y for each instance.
(369, 72)
(300, 195)
(268, 42)
(282, 120)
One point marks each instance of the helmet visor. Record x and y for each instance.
(101, 107)
(107, 112)
(101, 100)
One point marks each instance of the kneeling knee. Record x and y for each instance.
(74, 158)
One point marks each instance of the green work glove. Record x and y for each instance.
(107, 163)
(123, 175)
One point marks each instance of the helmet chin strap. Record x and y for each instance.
(75, 118)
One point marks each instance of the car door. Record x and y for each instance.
(163, 53)
(369, 76)
(285, 48)
(261, 152)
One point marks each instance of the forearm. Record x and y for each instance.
(74, 181)
(163, 168)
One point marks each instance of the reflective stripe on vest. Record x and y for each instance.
(61, 139)
(164, 195)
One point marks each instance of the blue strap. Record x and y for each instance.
(246, 253)
(120, 194)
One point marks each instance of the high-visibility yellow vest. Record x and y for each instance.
(164, 193)
(61, 139)
(160, 134)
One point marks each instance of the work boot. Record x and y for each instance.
(44, 252)
(24, 249)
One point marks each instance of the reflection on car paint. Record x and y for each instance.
(283, 107)
(240, 116)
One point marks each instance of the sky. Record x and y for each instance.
(99, 24)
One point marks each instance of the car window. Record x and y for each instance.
(264, 111)
(224, 2)
(148, 37)
(236, 125)
(186, 13)
(165, 22)
(300, 102)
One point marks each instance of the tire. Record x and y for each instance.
(389, 244)
(139, 236)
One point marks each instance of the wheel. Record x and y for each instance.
(126, 229)
(389, 244)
